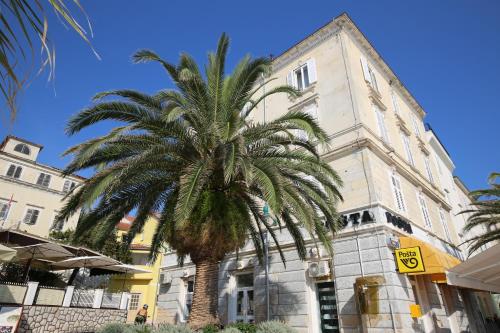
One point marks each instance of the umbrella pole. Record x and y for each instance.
(73, 276)
(27, 267)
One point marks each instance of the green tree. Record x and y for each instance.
(194, 155)
(111, 247)
(24, 25)
(486, 213)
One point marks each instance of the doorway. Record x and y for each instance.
(327, 299)
(244, 298)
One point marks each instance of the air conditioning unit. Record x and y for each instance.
(165, 278)
(319, 269)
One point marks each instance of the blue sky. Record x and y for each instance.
(446, 52)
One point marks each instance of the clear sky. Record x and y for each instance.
(446, 52)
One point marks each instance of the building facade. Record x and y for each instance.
(393, 197)
(143, 287)
(31, 193)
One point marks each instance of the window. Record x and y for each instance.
(22, 148)
(135, 300)
(369, 74)
(302, 77)
(406, 144)
(398, 193)
(244, 298)
(68, 186)
(312, 111)
(31, 216)
(395, 102)
(4, 210)
(14, 171)
(415, 125)
(444, 224)
(57, 225)
(43, 180)
(381, 125)
(425, 211)
(140, 259)
(189, 285)
(428, 169)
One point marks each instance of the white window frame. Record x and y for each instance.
(369, 74)
(397, 192)
(16, 167)
(425, 211)
(416, 129)
(26, 214)
(382, 128)
(245, 317)
(188, 297)
(68, 185)
(428, 169)
(395, 103)
(444, 224)
(23, 148)
(45, 179)
(312, 110)
(8, 206)
(292, 77)
(407, 148)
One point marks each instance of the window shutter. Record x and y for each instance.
(311, 69)
(395, 102)
(445, 226)
(27, 217)
(290, 80)
(366, 71)
(41, 178)
(406, 143)
(415, 125)
(381, 125)
(398, 193)
(4, 209)
(12, 169)
(425, 211)
(17, 174)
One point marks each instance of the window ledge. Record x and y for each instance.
(303, 92)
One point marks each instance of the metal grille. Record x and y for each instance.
(111, 300)
(83, 298)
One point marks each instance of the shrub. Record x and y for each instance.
(274, 326)
(244, 327)
(169, 328)
(230, 329)
(210, 329)
(138, 329)
(113, 328)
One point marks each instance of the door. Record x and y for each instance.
(244, 298)
(328, 307)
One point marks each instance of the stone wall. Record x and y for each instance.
(41, 319)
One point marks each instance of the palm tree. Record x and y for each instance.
(22, 22)
(194, 155)
(486, 213)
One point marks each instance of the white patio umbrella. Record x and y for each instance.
(44, 251)
(86, 262)
(6, 253)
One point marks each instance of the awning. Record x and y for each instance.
(6, 253)
(481, 272)
(436, 262)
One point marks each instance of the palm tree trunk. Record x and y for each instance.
(205, 295)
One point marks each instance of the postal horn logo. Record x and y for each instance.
(411, 263)
(409, 260)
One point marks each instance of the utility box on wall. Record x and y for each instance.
(367, 293)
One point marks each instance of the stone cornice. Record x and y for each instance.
(345, 22)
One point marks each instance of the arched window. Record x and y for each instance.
(22, 148)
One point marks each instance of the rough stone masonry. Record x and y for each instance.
(42, 319)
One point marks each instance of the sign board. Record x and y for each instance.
(9, 318)
(409, 260)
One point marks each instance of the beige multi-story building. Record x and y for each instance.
(31, 193)
(397, 186)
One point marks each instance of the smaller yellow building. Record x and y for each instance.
(143, 287)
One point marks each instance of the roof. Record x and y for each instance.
(428, 127)
(345, 20)
(8, 137)
(125, 223)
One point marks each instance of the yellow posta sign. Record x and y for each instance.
(409, 260)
